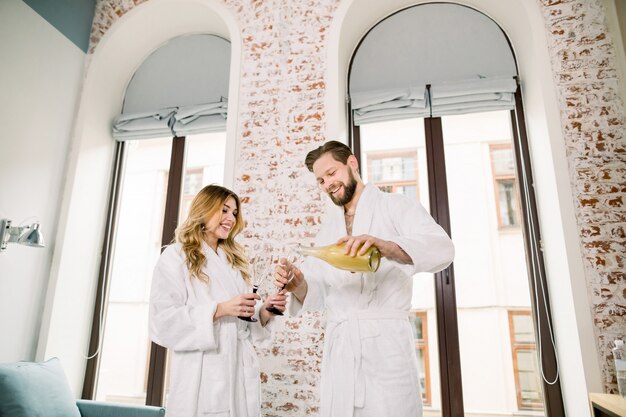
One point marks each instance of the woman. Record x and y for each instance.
(200, 286)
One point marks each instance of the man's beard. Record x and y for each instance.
(348, 191)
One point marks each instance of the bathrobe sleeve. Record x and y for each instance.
(417, 233)
(177, 322)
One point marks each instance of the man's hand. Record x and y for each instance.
(288, 277)
(358, 245)
(240, 305)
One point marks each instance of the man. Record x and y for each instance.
(369, 366)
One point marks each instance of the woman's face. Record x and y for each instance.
(221, 223)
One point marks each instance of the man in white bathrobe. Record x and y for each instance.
(369, 365)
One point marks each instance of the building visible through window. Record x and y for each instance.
(192, 183)
(503, 167)
(525, 363)
(420, 333)
(394, 172)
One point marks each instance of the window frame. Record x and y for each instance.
(515, 347)
(447, 322)
(158, 354)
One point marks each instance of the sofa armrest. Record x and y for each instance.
(101, 409)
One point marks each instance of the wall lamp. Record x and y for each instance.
(25, 235)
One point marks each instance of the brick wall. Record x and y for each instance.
(592, 120)
(282, 115)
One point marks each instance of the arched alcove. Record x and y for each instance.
(524, 25)
(120, 52)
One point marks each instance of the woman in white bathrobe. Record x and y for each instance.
(201, 285)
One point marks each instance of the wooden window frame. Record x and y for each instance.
(515, 347)
(422, 344)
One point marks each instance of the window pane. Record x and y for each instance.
(523, 328)
(125, 348)
(409, 191)
(422, 374)
(392, 169)
(490, 267)
(376, 173)
(204, 165)
(123, 371)
(417, 322)
(395, 154)
(507, 202)
(530, 386)
(503, 161)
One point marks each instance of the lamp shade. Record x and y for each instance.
(32, 237)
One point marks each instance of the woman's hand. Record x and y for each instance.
(278, 300)
(240, 305)
(288, 277)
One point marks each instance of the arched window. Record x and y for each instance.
(436, 114)
(171, 141)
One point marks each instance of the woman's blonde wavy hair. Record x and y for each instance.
(189, 234)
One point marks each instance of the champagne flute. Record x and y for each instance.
(258, 275)
(291, 258)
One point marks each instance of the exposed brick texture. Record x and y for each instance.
(281, 116)
(593, 120)
(281, 104)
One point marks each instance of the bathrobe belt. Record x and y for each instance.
(344, 388)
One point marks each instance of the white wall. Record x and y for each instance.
(40, 77)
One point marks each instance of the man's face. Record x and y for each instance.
(335, 178)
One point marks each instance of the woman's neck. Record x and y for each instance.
(212, 243)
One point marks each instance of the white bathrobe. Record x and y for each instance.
(369, 366)
(214, 369)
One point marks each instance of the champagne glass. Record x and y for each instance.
(291, 258)
(258, 276)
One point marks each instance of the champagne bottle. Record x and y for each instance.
(334, 255)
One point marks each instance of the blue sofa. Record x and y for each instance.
(40, 389)
(102, 409)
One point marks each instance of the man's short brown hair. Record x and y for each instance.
(338, 150)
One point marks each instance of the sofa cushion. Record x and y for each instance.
(102, 409)
(35, 389)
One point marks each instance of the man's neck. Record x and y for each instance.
(350, 208)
